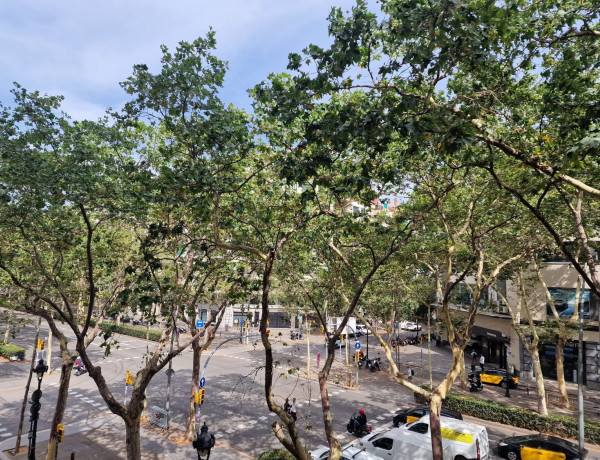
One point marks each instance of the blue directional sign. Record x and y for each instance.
(199, 324)
(357, 345)
(202, 382)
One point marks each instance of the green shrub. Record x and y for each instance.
(133, 331)
(10, 349)
(279, 454)
(558, 425)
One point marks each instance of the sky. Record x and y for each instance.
(83, 49)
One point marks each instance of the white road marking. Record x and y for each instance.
(5, 435)
(262, 417)
(241, 426)
(230, 431)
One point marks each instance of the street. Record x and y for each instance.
(234, 407)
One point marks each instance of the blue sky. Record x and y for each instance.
(82, 49)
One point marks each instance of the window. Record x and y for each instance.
(421, 428)
(384, 443)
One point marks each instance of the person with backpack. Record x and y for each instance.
(204, 442)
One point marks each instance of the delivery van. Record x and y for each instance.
(396, 445)
(467, 440)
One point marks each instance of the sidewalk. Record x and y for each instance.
(102, 439)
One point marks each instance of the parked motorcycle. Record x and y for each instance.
(373, 364)
(79, 370)
(475, 385)
(356, 430)
(295, 335)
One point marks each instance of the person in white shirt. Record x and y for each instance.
(481, 362)
(294, 410)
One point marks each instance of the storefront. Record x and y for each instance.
(492, 344)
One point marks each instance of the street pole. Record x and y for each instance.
(307, 347)
(507, 393)
(581, 422)
(367, 343)
(40, 370)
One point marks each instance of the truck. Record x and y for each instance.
(333, 322)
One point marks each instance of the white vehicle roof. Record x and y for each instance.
(351, 452)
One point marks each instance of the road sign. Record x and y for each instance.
(357, 345)
(202, 382)
(356, 339)
(199, 324)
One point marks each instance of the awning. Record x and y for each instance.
(489, 334)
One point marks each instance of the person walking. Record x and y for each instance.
(294, 410)
(481, 362)
(287, 406)
(473, 360)
(318, 359)
(410, 373)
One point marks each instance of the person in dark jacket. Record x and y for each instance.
(204, 442)
(361, 420)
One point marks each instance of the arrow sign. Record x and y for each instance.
(202, 382)
(357, 345)
(199, 324)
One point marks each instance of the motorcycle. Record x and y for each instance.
(79, 370)
(475, 385)
(373, 364)
(356, 430)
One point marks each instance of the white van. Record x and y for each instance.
(396, 444)
(467, 440)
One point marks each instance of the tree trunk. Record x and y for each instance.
(539, 381)
(190, 433)
(61, 402)
(8, 323)
(435, 406)
(132, 430)
(335, 449)
(560, 369)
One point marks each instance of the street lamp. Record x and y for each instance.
(40, 370)
(508, 380)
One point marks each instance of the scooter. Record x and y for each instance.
(357, 431)
(475, 385)
(79, 370)
(373, 364)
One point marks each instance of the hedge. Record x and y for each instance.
(10, 349)
(558, 425)
(132, 331)
(279, 454)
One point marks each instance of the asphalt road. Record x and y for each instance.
(234, 403)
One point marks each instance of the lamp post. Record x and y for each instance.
(40, 370)
(508, 380)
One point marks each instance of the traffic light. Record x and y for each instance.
(60, 432)
(42, 344)
(34, 410)
(200, 397)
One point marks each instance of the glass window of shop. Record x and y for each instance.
(564, 301)
(548, 362)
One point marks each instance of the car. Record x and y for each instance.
(349, 453)
(181, 329)
(415, 413)
(410, 326)
(496, 377)
(361, 329)
(539, 446)
(126, 319)
(339, 344)
(137, 322)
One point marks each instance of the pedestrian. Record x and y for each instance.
(318, 359)
(410, 373)
(287, 406)
(294, 410)
(473, 360)
(481, 362)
